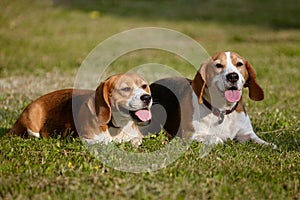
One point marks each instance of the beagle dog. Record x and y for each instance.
(111, 113)
(208, 108)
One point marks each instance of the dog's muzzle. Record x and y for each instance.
(146, 99)
(232, 77)
(143, 116)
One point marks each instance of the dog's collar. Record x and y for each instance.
(217, 112)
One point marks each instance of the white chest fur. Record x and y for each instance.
(124, 134)
(118, 135)
(207, 129)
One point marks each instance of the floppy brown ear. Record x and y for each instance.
(102, 103)
(256, 93)
(199, 82)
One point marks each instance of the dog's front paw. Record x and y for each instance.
(274, 146)
(136, 141)
(208, 139)
(257, 140)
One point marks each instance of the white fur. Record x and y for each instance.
(124, 130)
(118, 135)
(126, 133)
(230, 68)
(31, 133)
(219, 84)
(235, 125)
(134, 102)
(102, 138)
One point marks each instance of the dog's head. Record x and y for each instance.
(125, 95)
(226, 73)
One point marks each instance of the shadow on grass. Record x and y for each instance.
(3, 131)
(269, 13)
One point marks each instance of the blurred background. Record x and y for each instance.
(41, 36)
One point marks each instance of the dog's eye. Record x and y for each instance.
(219, 65)
(144, 86)
(238, 64)
(126, 89)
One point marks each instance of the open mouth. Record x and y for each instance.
(142, 116)
(232, 94)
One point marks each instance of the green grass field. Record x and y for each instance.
(43, 43)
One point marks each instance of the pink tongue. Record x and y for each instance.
(143, 115)
(232, 95)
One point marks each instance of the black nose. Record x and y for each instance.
(146, 98)
(232, 77)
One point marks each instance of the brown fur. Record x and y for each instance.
(256, 93)
(50, 113)
(72, 110)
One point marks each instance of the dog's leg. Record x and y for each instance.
(207, 139)
(136, 141)
(31, 133)
(253, 137)
(98, 138)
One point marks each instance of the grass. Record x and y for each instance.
(43, 44)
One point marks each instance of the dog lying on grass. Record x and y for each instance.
(208, 108)
(111, 113)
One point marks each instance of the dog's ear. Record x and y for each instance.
(256, 93)
(199, 82)
(102, 103)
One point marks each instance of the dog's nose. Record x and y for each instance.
(232, 77)
(146, 98)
